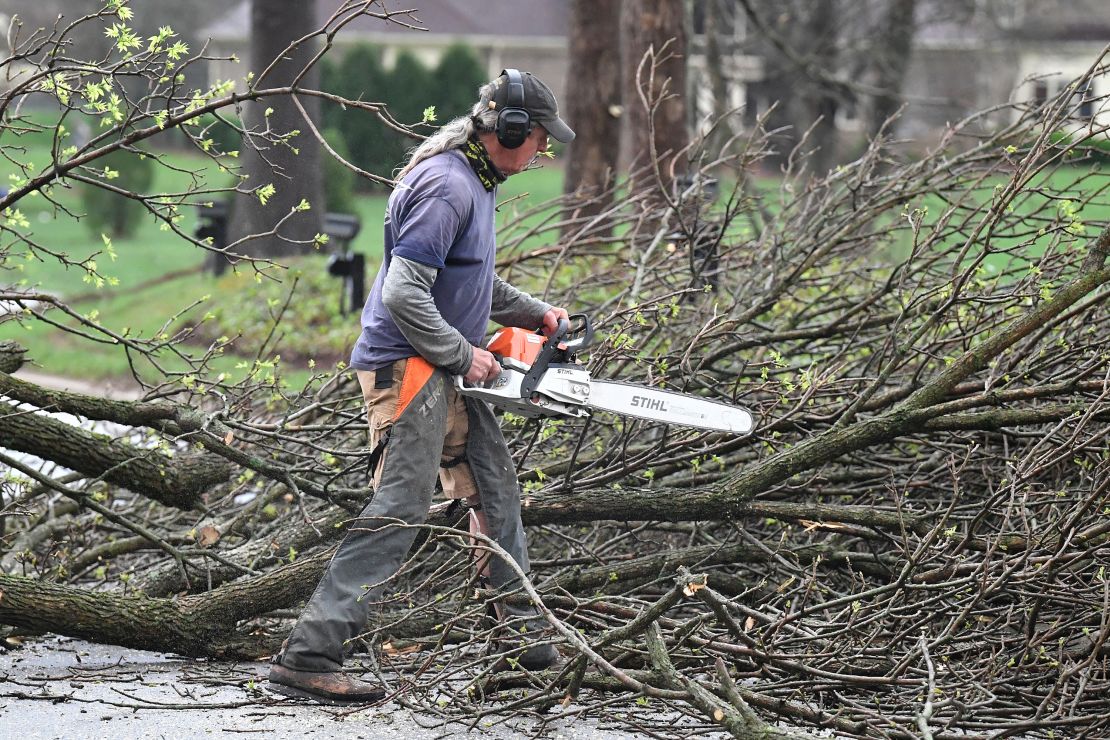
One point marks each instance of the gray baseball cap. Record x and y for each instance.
(540, 103)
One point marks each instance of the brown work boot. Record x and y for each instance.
(521, 634)
(537, 655)
(328, 688)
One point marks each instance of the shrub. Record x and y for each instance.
(456, 79)
(222, 135)
(359, 76)
(339, 181)
(108, 212)
(409, 88)
(1092, 149)
(312, 326)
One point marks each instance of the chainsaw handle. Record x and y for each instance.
(582, 334)
(543, 359)
(560, 332)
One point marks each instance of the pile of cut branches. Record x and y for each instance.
(913, 542)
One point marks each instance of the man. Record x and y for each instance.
(423, 323)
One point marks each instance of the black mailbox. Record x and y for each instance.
(351, 268)
(342, 228)
(213, 225)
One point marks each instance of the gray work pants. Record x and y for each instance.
(374, 548)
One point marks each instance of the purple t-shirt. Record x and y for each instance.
(439, 215)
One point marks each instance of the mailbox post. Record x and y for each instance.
(213, 225)
(351, 268)
(348, 265)
(343, 263)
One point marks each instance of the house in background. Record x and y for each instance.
(1005, 51)
(966, 57)
(525, 34)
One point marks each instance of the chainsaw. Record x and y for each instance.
(541, 376)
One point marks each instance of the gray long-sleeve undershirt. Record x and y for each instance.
(407, 294)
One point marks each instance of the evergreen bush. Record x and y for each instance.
(360, 76)
(1094, 149)
(107, 212)
(223, 136)
(456, 80)
(339, 181)
(410, 88)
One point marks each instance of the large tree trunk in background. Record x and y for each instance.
(717, 48)
(891, 57)
(821, 102)
(295, 175)
(593, 104)
(800, 53)
(648, 25)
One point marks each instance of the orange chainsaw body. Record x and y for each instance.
(516, 343)
(541, 376)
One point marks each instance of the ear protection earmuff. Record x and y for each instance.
(514, 123)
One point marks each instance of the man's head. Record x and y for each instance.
(522, 101)
(523, 111)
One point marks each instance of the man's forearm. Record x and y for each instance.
(408, 297)
(512, 307)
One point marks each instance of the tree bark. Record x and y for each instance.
(11, 356)
(293, 168)
(593, 105)
(821, 104)
(891, 59)
(716, 50)
(175, 481)
(167, 417)
(655, 94)
(195, 626)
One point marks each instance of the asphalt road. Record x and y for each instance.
(61, 688)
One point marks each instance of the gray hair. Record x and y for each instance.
(455, 132)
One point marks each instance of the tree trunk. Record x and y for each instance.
(821, 103)
(175, 481)
(593, 106)
(717, 48)
(203, 625)
(800, 55)
(891, 58)
(653, 60)
(11, 356)
(293, 167)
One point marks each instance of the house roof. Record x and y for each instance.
(940, 22)
(524, 19)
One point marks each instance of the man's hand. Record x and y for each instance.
(483, 367)
(551, 320)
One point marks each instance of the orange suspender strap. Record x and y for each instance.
(417, 372)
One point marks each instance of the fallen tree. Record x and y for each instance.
(912, 541)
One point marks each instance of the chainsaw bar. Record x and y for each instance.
(667, 407)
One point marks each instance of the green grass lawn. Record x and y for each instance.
(155, 274)
(1073, 197)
